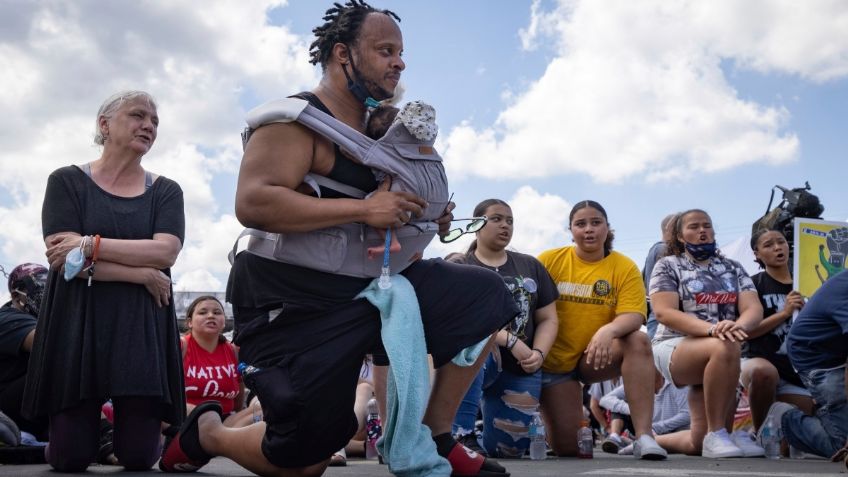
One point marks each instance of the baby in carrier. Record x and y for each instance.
(401, 149)
(419, 119)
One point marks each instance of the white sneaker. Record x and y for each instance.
(718, 444)
(626, 450)
(645, 447)
(776, 412)
(744, 441)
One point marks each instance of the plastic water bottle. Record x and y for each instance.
(770, 434)
(585, 441)
(245, 369)
(373, 430)
(538, 447)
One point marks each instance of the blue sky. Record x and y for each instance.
(648, 107)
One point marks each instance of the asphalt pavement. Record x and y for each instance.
(602, 465)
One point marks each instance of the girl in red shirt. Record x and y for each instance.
(210, 362)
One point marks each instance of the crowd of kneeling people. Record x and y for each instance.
(714, 334)
(94, 368)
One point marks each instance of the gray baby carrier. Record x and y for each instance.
(413, 165)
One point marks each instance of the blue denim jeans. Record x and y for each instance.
(824, 433)
(508, 403)
(466, 415)
(651, 325)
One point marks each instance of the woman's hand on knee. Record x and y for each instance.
(599, 350)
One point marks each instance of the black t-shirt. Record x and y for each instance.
(532, 287)
(344, 169)
(771, 345)
(15, 325)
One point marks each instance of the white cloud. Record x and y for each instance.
(211, 239)
(780, 36)
(60, 60)
(541, 222)
(637, 88)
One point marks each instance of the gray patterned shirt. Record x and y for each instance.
(710, 291)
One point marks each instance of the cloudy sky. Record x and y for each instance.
(648, 107)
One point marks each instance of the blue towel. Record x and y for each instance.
(468, 356)
(406, 445)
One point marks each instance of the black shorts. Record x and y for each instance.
(310, 362)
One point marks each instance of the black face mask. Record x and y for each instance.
(701, 251)
(357, 88)
(31, 293)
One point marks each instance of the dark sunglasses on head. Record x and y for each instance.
(474, 224)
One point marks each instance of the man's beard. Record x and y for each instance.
(371, 87)
(374, 90)
(377, 92)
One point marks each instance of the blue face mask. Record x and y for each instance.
(74, 262)
(701, 251)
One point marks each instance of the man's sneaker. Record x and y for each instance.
(744, 441)
(645, 447)
(470, 441)
(465, 462)
(776, 412)
(718, 444)
(612, 444)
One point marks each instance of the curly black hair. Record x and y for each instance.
(342, 26)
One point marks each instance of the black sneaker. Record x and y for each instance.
(470, 441)
(612, 444)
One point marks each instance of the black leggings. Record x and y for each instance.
(75, 434)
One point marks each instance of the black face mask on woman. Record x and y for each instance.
(701, 251)
(28, 282)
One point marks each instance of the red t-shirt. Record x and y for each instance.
(210, 376)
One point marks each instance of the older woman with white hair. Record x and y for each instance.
(107, 327)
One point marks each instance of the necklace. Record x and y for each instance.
(496, 268)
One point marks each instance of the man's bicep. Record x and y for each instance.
(278, 154)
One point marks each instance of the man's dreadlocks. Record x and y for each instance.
(342, 26)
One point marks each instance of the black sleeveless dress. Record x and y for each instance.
(110, 339)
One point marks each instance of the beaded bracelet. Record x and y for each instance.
(95, 249)
(511, 339)
(85, 246)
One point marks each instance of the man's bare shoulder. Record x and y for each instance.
(280, 135)
(285, 152)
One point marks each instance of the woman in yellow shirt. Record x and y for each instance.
(601, 307)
